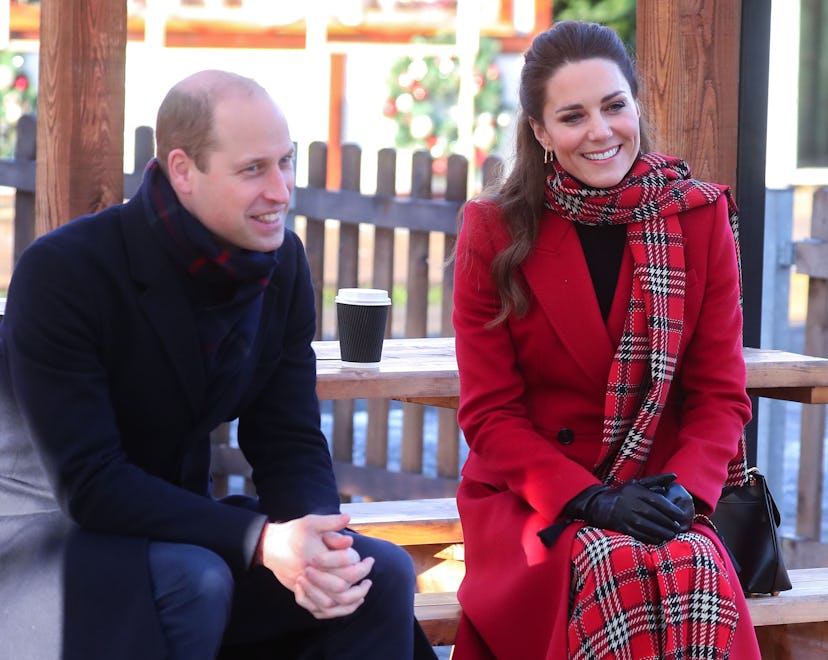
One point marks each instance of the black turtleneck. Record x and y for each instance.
(603, 247)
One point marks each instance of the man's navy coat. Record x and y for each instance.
(104, 433)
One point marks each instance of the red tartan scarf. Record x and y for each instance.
(194, 247)
(669, 601)
(648, 200)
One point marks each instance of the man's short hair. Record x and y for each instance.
(186, 116)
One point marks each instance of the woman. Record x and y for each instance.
(602, 385)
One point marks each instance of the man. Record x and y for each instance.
(128, 336)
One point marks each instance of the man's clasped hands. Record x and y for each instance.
(316, 561)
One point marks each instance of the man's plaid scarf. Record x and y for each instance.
(192, 245)
(225, 284)
(647, 200)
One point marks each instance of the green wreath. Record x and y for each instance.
(18, 96)
(422, 100)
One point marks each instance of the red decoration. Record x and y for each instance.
(390, 108)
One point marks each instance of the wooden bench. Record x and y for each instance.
(793, 624)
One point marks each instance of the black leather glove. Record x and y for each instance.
(665, 484)
(679, 496)
(658, 482)
(631, 509)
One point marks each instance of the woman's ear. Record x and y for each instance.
(179, 167)
(540, 133)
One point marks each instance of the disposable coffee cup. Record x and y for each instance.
(361, 316)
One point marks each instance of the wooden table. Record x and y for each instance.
(424, 370)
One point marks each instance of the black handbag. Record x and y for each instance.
(747, 521)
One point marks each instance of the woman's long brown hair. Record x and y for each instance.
(520, 197)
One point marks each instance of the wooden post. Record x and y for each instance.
(347, 276)
(688, 60)
(416, 314)
(812, 260)
(448, 432)
(704, 75)
(24, 200)
(376, 432)
(336, 102)
(80, 115)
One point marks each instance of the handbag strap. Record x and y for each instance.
(738, 473)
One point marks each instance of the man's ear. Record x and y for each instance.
(180, 167)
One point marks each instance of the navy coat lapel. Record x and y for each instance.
(161, 300)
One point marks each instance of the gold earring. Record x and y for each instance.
(548, 156)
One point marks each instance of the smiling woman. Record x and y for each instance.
(592, 131)
(601, 281)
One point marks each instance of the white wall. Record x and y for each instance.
(298, 81)
(287, 74)
(783, 97)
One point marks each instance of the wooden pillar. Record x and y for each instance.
(704, 75)
(80, 122)
(687, 53)
(754, 72)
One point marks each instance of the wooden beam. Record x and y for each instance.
(206, 32)
(80, 118)
(336, 108)
(688, 59)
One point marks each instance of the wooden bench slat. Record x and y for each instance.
(807, 602)
(425, 525)
(408, 522)
(439, 615)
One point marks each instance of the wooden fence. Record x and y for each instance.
(811, 259)
(422, 222)
(417, 222)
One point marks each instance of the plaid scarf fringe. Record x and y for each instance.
(633, 601)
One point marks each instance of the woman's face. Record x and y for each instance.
(590, 122)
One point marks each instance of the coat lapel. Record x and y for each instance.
(558, 276)
(161, 300)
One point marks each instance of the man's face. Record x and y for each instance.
(243, 195)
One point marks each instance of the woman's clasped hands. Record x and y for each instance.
(652, 509)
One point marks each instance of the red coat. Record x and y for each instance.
(531, 408)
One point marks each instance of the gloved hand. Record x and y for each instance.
(631, 509)
(665, 484)
(679, 496)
